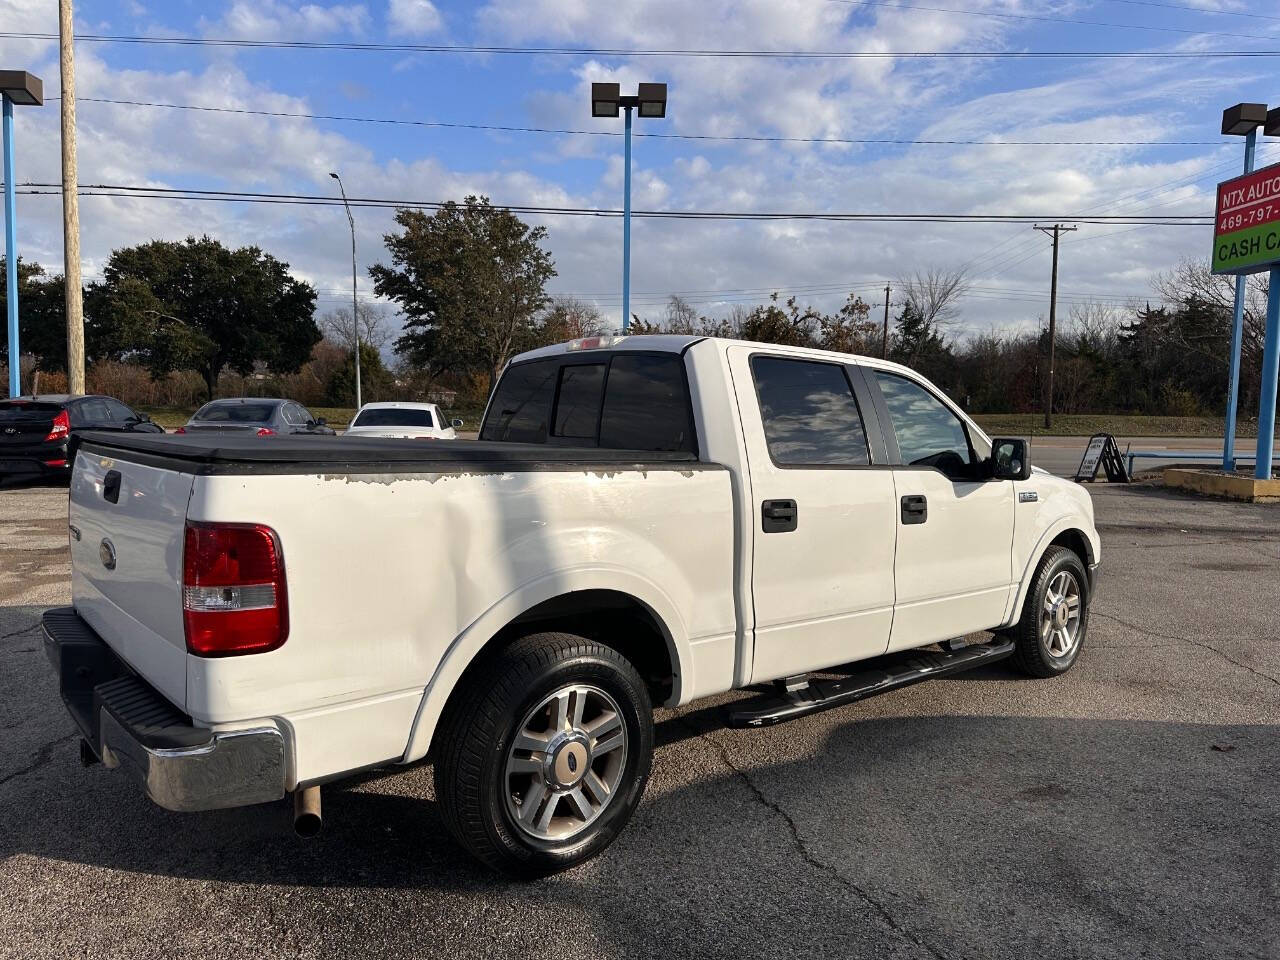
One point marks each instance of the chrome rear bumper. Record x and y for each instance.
(128, 724)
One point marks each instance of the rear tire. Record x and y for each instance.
(543, 754)
(1055, 616)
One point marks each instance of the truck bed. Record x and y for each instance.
(206, 455)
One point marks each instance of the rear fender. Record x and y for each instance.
(476, 637)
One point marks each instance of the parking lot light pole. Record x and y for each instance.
(21, 88)
(355, 308)
(650, 101)
(1241, 120)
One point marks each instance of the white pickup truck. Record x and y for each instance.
(645, 520)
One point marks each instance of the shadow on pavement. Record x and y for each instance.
(972, 835)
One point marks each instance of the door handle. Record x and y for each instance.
(915, 510)
(779, 516)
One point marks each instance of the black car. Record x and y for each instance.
(260, 415)
(35, 432)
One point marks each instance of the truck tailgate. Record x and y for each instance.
(127, 521)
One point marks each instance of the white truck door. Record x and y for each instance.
(954, 566)
(824, 512)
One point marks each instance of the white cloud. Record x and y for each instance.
(276, 19)
(414, 17)
(884, 98)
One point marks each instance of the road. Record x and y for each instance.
(1061, 455)
(1125, 810)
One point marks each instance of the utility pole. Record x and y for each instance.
(1056, 229)
(71, 202)
(884, 340)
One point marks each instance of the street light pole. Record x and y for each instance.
(626, 224)
(16, 87)
(650, 101)
(355, 308)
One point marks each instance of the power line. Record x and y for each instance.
(242, 196)
(1042, 18)
(1193, 9)
(678, 52)
(453, 125)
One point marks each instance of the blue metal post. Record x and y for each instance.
(11, 250)
(1270, 374)
(1237, 334)
(626, 226)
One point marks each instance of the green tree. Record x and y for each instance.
(849, 329)
(789, 325)
(376, 381)
(199, 305)
(42, 315)
(918, 344)
(470, 280)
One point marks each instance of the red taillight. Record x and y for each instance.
(55, 463)
(266, 432)
(181, 430)
(233, 589)
(60, 428)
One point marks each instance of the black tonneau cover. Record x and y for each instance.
(229, 453)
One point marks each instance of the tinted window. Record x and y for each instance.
(810, 414)
(294, 415)
(234, 413)
(578, 401)
(646, 404)
(118, 411)
(14, 410)
(393, 417)
(93, 410)
(929, 434)
(520, 411)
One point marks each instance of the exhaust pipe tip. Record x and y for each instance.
(307, 821)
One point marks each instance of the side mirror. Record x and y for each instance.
(1010, 459)
(455, 422)
(321, 422)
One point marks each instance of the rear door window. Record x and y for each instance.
(646, 404)
(520, 411)
(809, 412)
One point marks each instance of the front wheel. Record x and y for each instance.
(544, 752)
(1055, 616)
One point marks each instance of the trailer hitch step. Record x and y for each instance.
(823, 694)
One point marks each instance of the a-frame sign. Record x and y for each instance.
(1103, 450)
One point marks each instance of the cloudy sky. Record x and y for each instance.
(986, 107)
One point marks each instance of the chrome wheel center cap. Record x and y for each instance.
(1061, 615)
(569, 761)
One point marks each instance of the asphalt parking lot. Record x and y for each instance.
(1126, 810)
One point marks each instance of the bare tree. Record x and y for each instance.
(935, 294)
(569, 318)
(681, 316)
(374, 329)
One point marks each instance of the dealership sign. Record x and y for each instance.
(1246, 231)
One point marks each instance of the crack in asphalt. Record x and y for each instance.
(1195, 643)
(18, 633)
(803, 851)
(44, 756)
